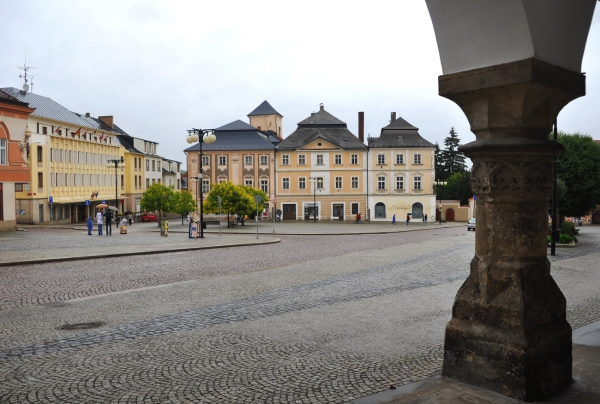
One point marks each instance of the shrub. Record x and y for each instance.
(568, 228)
(566, 239)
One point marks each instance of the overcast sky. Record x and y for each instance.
(162, 67)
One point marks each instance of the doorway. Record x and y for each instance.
(417, 210)
(379, 210)
(289, 211)
(450, 215)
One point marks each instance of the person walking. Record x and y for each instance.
(408, 219)
(394, 219)
(90, 225)
(109, 217)
(426, 219)
(99, 222)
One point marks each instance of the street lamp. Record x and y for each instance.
(315, 181)
(118, 163)
(201, 136)
(197, 181)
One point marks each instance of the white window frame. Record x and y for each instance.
(399, 158)
(222, 160)
(205, 161)
(264, 185)
(248, 160)
(249, 182)
(302, 159)
(338, 159)
(381, 183)
(399, 182)
(354, 159)
(381, 159)
(205, 186)
(417, 158)
(285, 160)
(3, 152)
(417, 183)
(285, 183)
(354, 182)
(302, 183)
(264, 160)
(320, 160)
(338, 182)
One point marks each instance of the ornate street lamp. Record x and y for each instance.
(201, 136)
(197, 181)
(315, 181)
(118, 163)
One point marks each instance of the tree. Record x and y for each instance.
(183, 202)
(157, 197)
(458, 186)
(452, 161)
(578, 169)
(234, 200)
(264, 199)
(440, 174)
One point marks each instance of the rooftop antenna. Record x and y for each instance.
(25, 69)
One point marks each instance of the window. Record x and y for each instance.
(319, 159)
(399, 158)
(319, 182)
(222, 180)
(264, 160)
(381, 159)
(301, 183)
(153, 165)
(3, 152)
(147, 165)
(222, 160)
(135, 163)
(302, 159)
(264, 186)
(147, 183)
(44, 130)
(249, 182)
(205, 160)
(178, 183)
(355, 208)
(135, 179)
(285, 159)
(380, 182)
(158, 166)
(417, 159)
(41, 180)
(40, 154)
(248, 160)
(286, 183)
(399, 182)
(354, 182)
(205, 186)
(338, 159)
(338, 182)
(354, 159)
(417, 183)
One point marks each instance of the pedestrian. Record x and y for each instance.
(109, 217)
(130, 218)
(188, 218)
(423, 220)
(394, 219)
(426, 219)
(99, 222)
(90, 225)
(408, 219)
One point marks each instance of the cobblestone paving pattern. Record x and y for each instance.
(233, 352)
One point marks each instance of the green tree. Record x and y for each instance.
(183, 203)
(157, 197)
(440, 172)
(452, 161)
(458, 186)
(264, 199)
(578, 169)
(234, 200)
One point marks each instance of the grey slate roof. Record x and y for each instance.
(321, 118)
(321, 125)
(127, 142)
(399, 133)
(264, 109)
(50, 109)
(238, 135)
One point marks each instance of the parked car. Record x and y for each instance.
(471, 224)
(148, 217)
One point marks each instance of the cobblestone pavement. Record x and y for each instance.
(309, 320)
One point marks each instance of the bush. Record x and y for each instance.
(568, 228)
(565, 239)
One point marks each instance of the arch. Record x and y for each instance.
(380, 210)
(4, 132)
(417, 210)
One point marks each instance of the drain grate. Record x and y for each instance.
(81, 326)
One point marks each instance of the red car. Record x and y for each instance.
(148, 217)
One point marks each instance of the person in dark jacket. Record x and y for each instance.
(109, 217)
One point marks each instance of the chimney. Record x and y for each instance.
(87, 114)
(321, 107)
(107, 120)
(393, 116)
(361, 127)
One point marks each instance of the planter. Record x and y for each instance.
(559, 245)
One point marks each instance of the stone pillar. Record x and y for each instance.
(508, 331)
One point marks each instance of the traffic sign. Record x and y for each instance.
(87, 202)
(257, 198)
(50, 199)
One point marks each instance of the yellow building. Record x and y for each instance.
(401, 173)
(68, 156)
(321, 171)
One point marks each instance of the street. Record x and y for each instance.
(311, 319)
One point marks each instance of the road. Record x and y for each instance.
(313, 319)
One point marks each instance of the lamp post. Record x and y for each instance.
(118, 163)
(201, 136)
(197, 181)
(315, 181)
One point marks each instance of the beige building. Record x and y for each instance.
(401, 173)
(242, 154)
(321, 171)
